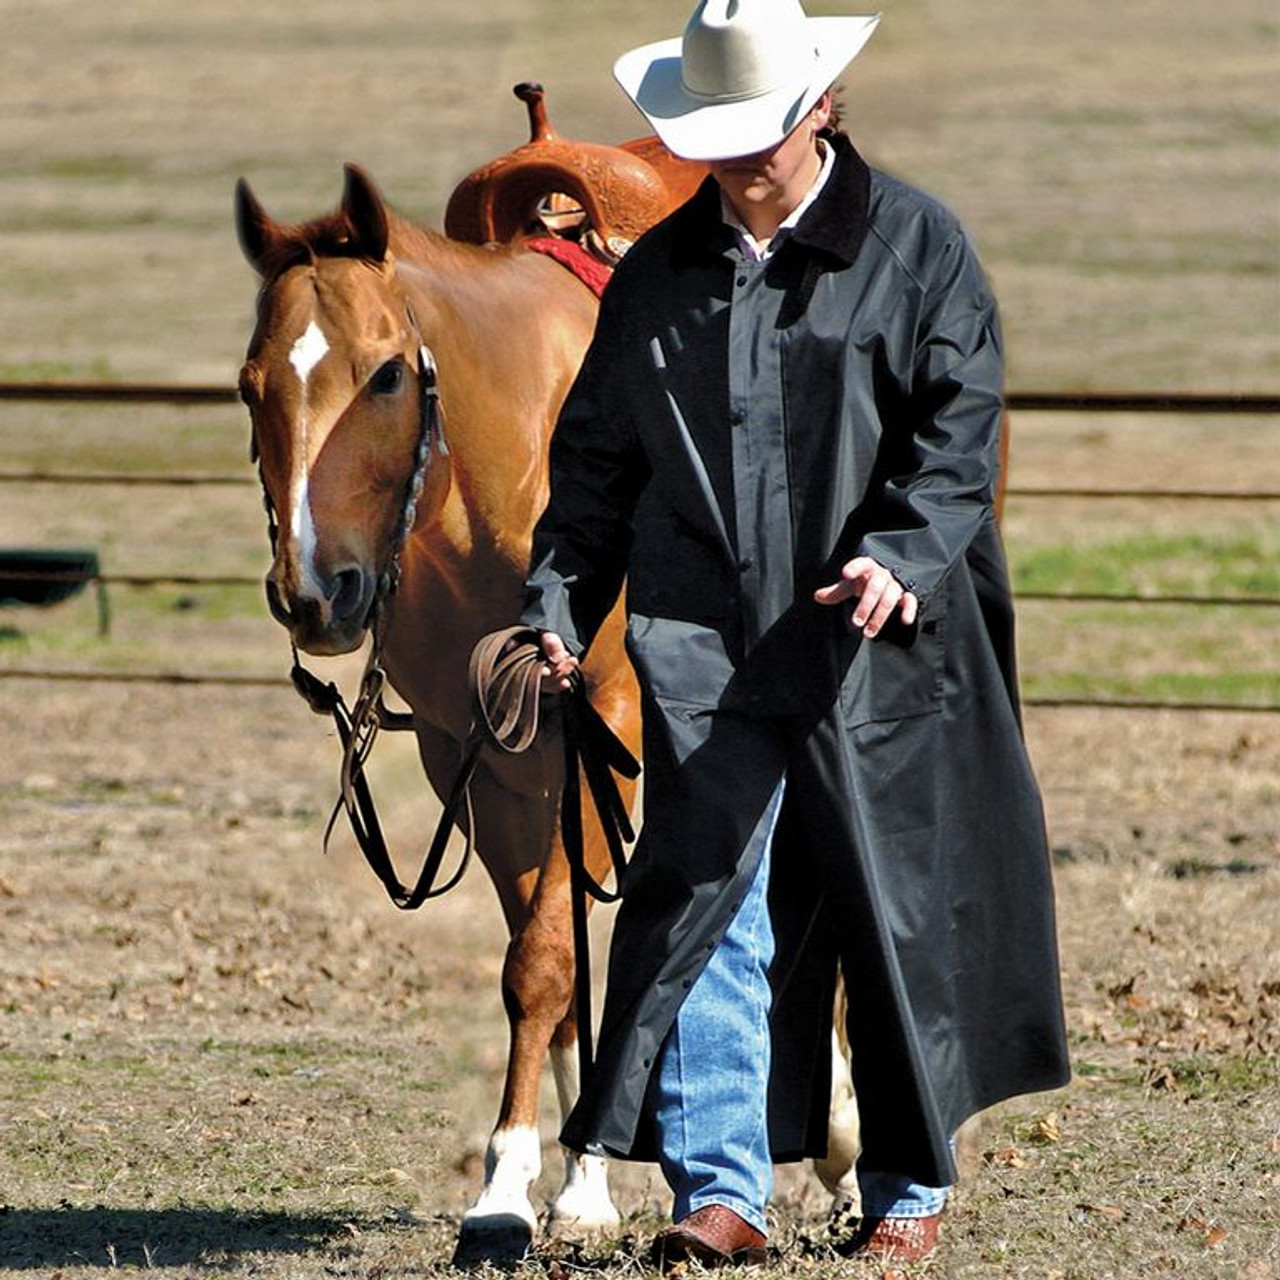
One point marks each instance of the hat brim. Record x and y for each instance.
(696, 129)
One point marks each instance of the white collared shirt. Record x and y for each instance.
(751, 248)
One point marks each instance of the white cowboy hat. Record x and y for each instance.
(741, 77)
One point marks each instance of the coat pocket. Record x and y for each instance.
(899, 674)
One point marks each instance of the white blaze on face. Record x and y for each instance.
(307, 352)
(310, 348)
(303, 530)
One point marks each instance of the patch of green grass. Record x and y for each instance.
(94, 168)
(1091, 118)
(189, 628)
(70, 219)
(261, 1126)
(1243, 689)
(213, 603)
(153, 439)
(1139, 255)
(98, 369)
(1261, 129)
(1222, 564)
(1224, 1076)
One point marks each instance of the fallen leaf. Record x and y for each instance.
(1047, 1129)
(1113, 1213)
(1214, 1237)
(1006, 1157)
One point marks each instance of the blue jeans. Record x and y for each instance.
(710, 1091)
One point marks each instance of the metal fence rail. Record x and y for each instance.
(213, 479)
(145, 580)
(1227, 404)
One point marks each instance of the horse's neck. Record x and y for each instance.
(507, 332)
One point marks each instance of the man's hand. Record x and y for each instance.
(560, 672)
(876, 593)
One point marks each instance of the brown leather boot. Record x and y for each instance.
(898, 1239)
(714, 1236)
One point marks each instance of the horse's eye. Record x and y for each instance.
(388, 379)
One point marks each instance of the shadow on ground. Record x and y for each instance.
(35, 1239)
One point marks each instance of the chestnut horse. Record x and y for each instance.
(352, 309)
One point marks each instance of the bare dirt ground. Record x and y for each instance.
(220, 1051)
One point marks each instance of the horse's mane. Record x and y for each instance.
(331, 236)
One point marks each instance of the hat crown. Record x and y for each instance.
(738, 49)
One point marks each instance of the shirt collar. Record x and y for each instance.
(751, 248)
(834, 226)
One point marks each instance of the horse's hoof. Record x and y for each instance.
(499, 1239)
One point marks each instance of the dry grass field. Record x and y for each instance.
(220, 1052)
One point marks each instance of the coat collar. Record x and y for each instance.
(835, 224)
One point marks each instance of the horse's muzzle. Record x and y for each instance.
(330, 623)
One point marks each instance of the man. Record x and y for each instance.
(785, 437)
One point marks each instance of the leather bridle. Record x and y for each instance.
(358, 726)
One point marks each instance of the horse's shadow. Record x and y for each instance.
(213, 1239)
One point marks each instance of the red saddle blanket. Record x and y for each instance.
(590, 270)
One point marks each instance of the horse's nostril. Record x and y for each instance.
(348, 593)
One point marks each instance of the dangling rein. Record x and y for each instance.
(504, 677)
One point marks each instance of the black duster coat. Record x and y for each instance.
(737, 432)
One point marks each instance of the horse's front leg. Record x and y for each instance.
(515, 837)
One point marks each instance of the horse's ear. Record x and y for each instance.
(257, 230)
(365, 213)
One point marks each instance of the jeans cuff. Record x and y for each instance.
(910, 1200)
